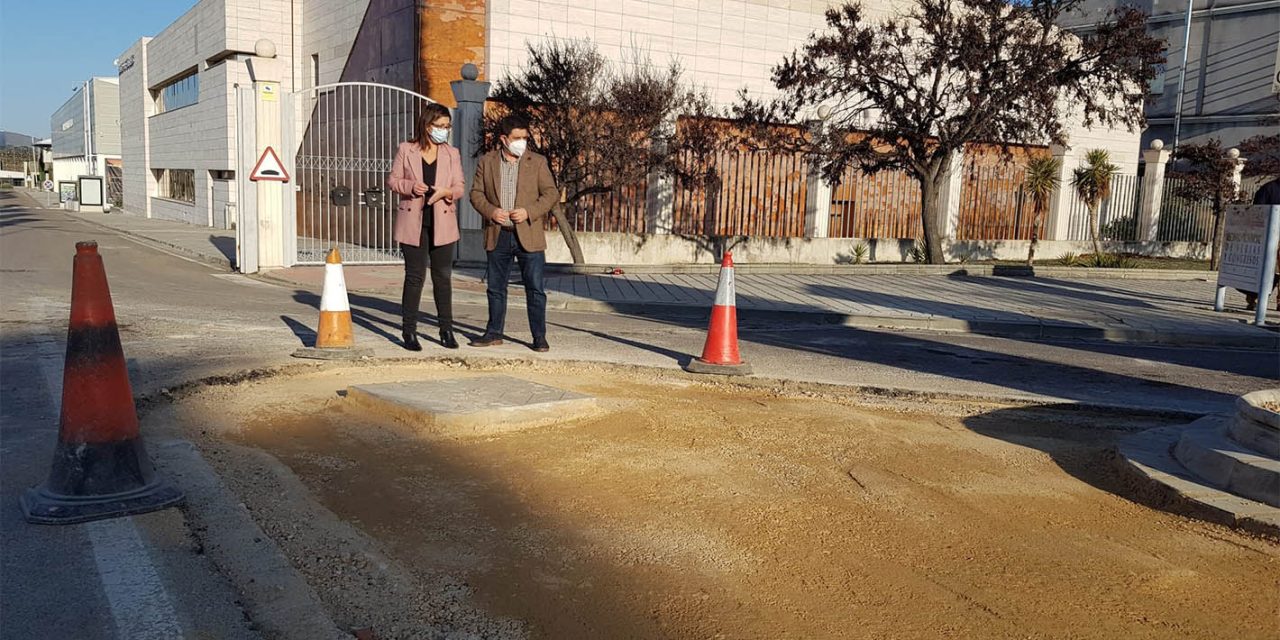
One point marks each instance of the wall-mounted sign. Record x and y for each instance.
(125, 65)
(270, 92)
(68, 124)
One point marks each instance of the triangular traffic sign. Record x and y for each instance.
(269, 168)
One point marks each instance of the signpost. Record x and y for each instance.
(1250, 241)
(48, 192)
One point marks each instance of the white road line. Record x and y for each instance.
(140, 605)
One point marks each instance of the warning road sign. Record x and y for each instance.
(269, 168)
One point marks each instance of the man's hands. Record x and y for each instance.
(501, 216)
(519, 215)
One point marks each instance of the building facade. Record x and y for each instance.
(1232, 85)
(179, 104)
(86, 130)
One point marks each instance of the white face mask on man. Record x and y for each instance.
(517, 147)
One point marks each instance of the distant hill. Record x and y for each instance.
(11, 139)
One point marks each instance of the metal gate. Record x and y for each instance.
(340, 140)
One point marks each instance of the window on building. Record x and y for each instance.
(315, 69)
(183, 92)
(176, 184)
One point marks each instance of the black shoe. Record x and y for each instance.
(411, 341)
(540, 345)
(486, 340)
(447, 340)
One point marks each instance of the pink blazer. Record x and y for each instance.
(406, 171)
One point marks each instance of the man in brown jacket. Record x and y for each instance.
(513, 190)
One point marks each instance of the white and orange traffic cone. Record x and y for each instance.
(335, 339)
(720, 355)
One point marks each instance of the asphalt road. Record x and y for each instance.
(181, 320)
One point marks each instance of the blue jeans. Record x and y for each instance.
(496, 275)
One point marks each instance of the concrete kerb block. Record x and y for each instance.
(1158, 480)
(313, 353)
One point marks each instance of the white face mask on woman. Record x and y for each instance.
(517, 147)
(439, 136)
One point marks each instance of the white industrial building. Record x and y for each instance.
(86, 130)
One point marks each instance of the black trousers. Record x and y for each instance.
(416, 260)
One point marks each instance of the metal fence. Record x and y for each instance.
(750, 193)
(1117, 215)
(1183, 219)
(881, 205)
(993, 204)
(350, 134)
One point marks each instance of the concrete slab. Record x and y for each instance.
(475, 405)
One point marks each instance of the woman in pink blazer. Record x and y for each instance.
(427, 174)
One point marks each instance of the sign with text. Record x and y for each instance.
(1244, 247)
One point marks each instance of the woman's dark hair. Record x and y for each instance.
(426, 116)
(511, 123)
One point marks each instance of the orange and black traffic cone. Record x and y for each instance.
(720, 355)
(100, 467)
(335, 339)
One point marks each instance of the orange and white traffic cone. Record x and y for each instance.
(335, 339)
(100, 467)
(720, 355)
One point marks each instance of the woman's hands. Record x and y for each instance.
(436, 194)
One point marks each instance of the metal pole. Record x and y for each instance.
(1182, 77)
(1271, 244)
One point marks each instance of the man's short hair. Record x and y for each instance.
(511, 123)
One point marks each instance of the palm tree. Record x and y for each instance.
(1093, 186)
(1040, 182)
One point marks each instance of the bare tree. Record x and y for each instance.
(1205, 170)
(603, 126)
(1263, 155)
(908, 92)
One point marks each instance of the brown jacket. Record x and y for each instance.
(535, 192)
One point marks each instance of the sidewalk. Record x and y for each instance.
(1158, 310)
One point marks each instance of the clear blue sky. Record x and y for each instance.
(48, 47)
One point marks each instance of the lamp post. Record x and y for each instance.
(1182, 77)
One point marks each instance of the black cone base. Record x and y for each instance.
(42, 507)
(95, 481)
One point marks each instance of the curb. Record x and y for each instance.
(276, 597)
(211, 260)
(1031, 330)
(1147, 463)
(970, 270)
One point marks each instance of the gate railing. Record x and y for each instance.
(340, 141)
